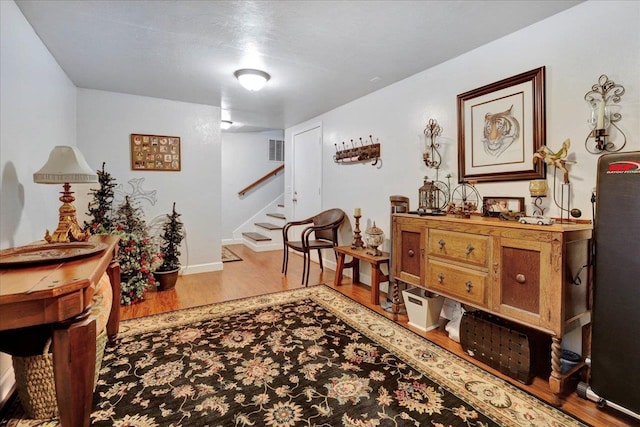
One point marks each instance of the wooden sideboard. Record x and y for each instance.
(520, 272)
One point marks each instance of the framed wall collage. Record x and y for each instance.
(155, 153)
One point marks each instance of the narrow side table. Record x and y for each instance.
(360, 254)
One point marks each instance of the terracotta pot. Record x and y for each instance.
(166, 279)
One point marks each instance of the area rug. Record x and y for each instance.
(229, 256)
(307, 357)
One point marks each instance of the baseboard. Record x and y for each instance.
(232, 242)
(201, 268)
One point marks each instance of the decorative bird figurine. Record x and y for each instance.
(556, 159)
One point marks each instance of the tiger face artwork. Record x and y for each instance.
(500, 131)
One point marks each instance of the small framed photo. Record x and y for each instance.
(155, 153)
(493, 206)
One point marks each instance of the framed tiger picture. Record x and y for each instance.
(500, 127)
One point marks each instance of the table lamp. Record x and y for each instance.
(66, 165)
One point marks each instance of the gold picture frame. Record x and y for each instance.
(500, 127)
(155, 153)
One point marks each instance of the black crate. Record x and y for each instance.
(513, 349)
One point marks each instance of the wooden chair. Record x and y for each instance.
(321, 234)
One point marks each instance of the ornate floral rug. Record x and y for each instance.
(229, 256)
(308, 357)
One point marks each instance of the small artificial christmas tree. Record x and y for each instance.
(172, 235)
(101, 207)
(136, 255)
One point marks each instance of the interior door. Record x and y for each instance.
(307, 172)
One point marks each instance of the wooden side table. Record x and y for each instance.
(358, 255)
(60, 294)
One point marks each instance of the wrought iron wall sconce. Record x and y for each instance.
(431, 156)
(601, 97)
(364, 152)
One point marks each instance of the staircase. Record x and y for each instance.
(268, 234)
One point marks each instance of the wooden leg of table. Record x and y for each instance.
(555, 380)
(74, 360)
(337, 280)
(356, 270)
(375, 284)
(113, 324)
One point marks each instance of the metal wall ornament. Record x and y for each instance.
(432, 157)
(601, 97)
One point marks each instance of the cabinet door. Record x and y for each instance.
(522, 275)
(408, 253)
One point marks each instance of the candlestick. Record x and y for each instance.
(357, 239)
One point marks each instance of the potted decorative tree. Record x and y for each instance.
(101, 206)
(136, 254)
(172, 235)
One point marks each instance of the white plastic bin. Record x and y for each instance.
(423, 308)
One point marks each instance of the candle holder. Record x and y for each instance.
(358, 243)
(601, 97)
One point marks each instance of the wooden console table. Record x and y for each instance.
(530, 274)
(361, 255)
(60, 294)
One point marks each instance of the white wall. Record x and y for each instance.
(38, 112)
(576, 49)
(105, 122)
(245, 158)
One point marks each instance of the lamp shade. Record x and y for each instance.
(251, 79)
(65, 165)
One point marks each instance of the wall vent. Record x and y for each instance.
(276, 150)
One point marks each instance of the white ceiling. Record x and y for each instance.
(320, 54)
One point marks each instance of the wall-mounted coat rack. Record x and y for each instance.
(365, 152)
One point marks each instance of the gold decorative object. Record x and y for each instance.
(66, 165)
(374, 237)
(538, 189)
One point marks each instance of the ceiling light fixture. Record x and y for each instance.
(225, 124)
(251, 79)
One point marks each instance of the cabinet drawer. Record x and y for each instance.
(457, 282)
(464, 247)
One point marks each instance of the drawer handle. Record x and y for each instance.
(468, 285)
(469, 249)
(520, 278)
(440, 278)
(441, 243)
(411, 253)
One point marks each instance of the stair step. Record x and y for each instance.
(256, 237)
(268, 226)
(276, 215)
(280, 205)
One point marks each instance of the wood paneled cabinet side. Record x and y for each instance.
(523, 273)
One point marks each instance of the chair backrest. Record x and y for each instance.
(333, 217)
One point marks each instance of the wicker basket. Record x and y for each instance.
(36, 384)
(514, 350)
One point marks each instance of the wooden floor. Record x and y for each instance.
(259, 273)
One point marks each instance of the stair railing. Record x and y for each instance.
(261, 180)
